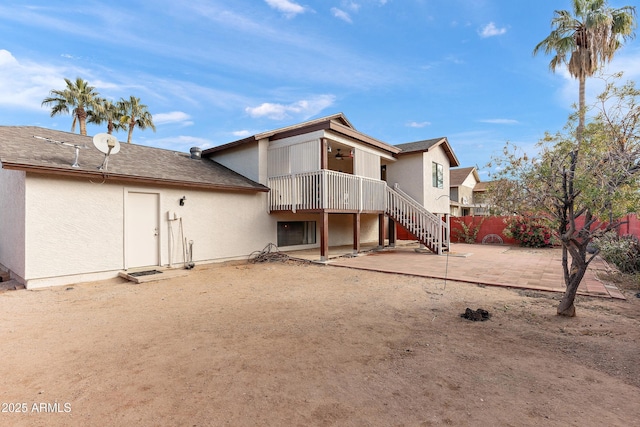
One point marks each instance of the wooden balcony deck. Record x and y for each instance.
(326, 190)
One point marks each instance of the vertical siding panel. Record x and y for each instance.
(366, 164)
(305, 157)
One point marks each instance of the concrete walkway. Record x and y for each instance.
(508, 266)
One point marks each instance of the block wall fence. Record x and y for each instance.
(495, 225)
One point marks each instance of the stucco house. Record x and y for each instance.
(61, 224)
(466, 192)
(422, 173)
(481, 207)
(310, 185)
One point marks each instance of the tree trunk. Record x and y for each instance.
(578, 270)
(582, 109)
(131, 125)
(82, 119)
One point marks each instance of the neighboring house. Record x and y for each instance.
(479, 198)
(310, 185)
(467, 193)
(462, 185)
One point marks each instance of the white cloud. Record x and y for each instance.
(499, 121)
(454, 59)
(7, 59)
(25, 84)
(491, 30)
(418, 124)
(351, 5)
(289, 8)
(301, 109)
(241, 133)
(627, 61)
(172, 117)
(178, 143)
(341, 14)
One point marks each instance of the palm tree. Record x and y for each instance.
(107, 111)
(589, 38)
(135, 114)
(78, 96)
(584, 41)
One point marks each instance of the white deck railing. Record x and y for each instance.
(337, 191)
(326, 189)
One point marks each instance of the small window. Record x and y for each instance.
(438, 175)
(292, 233)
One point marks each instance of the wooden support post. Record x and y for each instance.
(324, 155)
(356, 233)
(324, 236)
(392, 233)
(381, 230)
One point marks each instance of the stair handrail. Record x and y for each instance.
(441, 227)
(410, 200)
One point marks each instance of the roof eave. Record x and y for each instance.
(46, 170)
(352, 133)
(229, 145)
(324, 123)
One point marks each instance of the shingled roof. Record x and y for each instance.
(426, 145)
(20, 150)
(481, 186)
(457, 176)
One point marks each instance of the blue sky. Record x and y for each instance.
(214, 71)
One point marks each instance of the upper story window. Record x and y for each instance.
(438, 175)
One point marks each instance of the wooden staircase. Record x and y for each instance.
(430, 229)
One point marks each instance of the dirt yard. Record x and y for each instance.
(285, 344)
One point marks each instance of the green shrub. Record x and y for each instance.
(532, 232)
(468, 233)
(622, 251)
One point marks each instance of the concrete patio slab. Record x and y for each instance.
(494, 265)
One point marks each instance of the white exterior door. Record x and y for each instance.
(142, 229)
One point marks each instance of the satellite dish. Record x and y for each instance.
(107, 144)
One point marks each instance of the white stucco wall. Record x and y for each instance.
(72, 227)
(470, 181)
(407, 172)
(413, 172)
(12, 222)
(244, 159)
(222, 225)
(340, 228)
(436, 200)
(75, 229)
